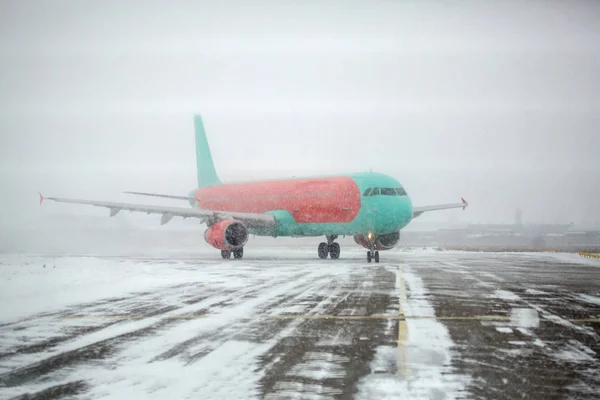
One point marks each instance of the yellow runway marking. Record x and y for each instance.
(589, 255)
(403, 365)
(131, 316)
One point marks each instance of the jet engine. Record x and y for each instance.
(227, 235)
(380, 242)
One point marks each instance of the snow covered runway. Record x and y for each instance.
(418, 325)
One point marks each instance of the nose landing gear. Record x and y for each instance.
(373, 255)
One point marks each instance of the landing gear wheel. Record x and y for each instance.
(226, 254)
(334, 250)
(368, 256)
(323, 250)
(376, 256)
(239, 253)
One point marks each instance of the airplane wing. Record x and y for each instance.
(205, 216)
(420, 210)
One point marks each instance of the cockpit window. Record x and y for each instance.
(385, 192)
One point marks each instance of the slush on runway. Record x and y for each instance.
(422, 324)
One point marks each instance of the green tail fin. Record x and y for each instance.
(207, 176)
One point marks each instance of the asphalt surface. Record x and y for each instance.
(417, 325)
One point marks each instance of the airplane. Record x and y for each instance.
(370, 206)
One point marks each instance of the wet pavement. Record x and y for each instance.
(431, 325)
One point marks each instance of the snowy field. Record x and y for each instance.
(422, 324)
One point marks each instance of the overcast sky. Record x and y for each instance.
(498, 102)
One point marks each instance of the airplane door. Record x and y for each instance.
(346, 202)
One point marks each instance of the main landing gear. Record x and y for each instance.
(237, 253)
(330, 248)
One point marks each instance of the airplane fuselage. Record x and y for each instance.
(372, 207)
(316, 206)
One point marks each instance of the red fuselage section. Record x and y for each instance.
(310, 200)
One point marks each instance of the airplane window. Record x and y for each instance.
(375, 192)
(388, 192)
(401, 191)
(366, 193)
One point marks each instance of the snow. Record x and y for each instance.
(230, 304)
(235, 301)
(74, 281)
(505, 295)
(589, 299)
(524, 317)
(576, 352)
(525, 332)
(572, 258)
(231, 363)
(425, 357)
(535, 292)
(320, 366)
(299, 390)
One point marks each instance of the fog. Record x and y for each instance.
(495, 102)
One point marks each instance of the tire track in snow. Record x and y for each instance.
(55, 392)
(104, 343)
(229, 318)
(324, 358)
(418, 365)
(145, 304)
(30, 341)
(244, 365)
(554, 357)
(234, 356)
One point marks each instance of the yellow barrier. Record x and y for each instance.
(589, 255)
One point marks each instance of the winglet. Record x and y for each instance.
(464, 202)
(41, 198)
